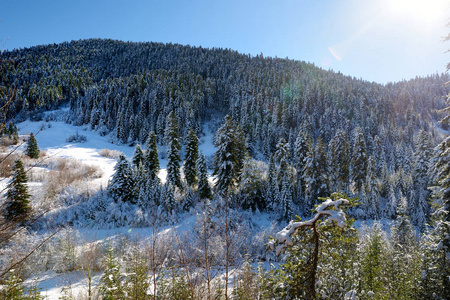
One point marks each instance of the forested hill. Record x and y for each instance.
(129, 89)
(111, 82)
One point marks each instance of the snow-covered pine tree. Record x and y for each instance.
(371, 190)
(405, 259)
(138, 157)
(359, 161)
(302, 146)
(229, 157)
(436, 268)
(286, 198)
(283, 156)
(339, 161)
(151, 162)
(204, 189)
(250, 186)
(316, 174)
(122, 184)
(111, 283)
(137, 284)
(190, 170)
(271, 188)
(419, 208)
(32, 149)
(17, 206)
(173, 151)
(391, 205)
(189, 199)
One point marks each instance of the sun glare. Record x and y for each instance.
(419, 11)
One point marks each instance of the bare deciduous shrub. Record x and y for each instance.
(6, 163)
(65, 172)
(109, 153)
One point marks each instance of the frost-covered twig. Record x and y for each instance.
(283, 237)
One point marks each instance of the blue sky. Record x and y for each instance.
(376, 40)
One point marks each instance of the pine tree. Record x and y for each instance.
(371, 190)
(419, 208)
(405, 260)
(316, 174)
(229, 157)
(151, 162)
(111, 282)
(17, 197)
(436, 268)
(122, 185)
(190, 170)
(204, 188)
(359, 161)
(286, 198)
(339, 161)
(32, 149)
(250, 187)
(137, 283)
(138, 157)
(283, 156)
(173, 151)
(271, 189)
(373, 265)
(302, 146)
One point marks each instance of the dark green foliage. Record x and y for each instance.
(190, 162)
(17, 196)
(204, 189)
(251, 186)
(436, 268)
(359, 161)
(32, 149)
(151, 163)
(173, 151)
(229, 157)
(335, 256)
(122, 185)
(138, 157)
(111, 284)
(339, 161)
(137, 284)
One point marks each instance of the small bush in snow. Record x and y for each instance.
(109, 153)
(76, 138)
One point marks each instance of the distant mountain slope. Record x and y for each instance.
(129, 88)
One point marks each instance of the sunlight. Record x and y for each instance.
(418, 11)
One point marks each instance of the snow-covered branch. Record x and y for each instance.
(283, 237)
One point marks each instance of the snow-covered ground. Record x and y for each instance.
(51, 138)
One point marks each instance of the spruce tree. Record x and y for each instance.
(339, 161)
(151, 162)
(204, 188)
(250, 187)
(302, 146)
(283, 156)
(173, 151)
(436, 268)
(229, 157)
(17, 196)
(371, 190)
(138, 157)
(111, 282)
(32, 149)
(419, 208)
(122, 185)
(359, 161)
(190, 170)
